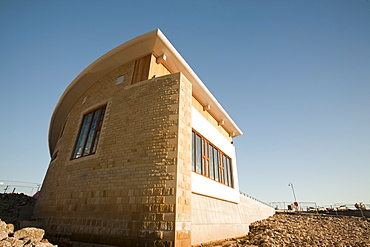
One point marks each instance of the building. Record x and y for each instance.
(142, 155)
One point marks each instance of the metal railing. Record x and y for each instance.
(350, 206)
(7, 186)
(314, 207)
(302, 206)
(246, 195)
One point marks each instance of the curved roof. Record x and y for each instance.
(153, 41)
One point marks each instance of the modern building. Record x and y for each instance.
(142, 155)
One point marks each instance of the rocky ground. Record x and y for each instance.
(25, 237)
(305, 230)
(15, 208)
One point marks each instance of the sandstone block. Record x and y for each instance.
(10, 228)
(3, 234)
(33, 234)
(13, 242)
(4, 243)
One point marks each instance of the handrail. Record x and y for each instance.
(27, 187)
(249, 196)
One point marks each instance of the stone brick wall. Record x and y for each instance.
(126, 193)
(183, 184)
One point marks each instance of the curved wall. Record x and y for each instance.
(124, 194)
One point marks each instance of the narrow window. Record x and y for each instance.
(216, 161)
(226, 171)
(211, 166)
(193, 153)
(89, 133)
(198, 152)
(229, 173)
(221, 169)
(205, 158)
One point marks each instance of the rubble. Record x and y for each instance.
(27, 237)
(15, 208)
(305, 230)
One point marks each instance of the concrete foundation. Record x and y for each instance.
(214, 219)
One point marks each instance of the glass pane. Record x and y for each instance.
(212, 166)
(225, 170)
(216, 161)
(229, 172)
(204, 162)
(96, 141)
(207, 154)
(83, 134)
(101, 117)
(192, 152)
(220, 169)
(198, 154)
(91, 133)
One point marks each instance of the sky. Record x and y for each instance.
(293, 75)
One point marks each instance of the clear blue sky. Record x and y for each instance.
(294, 75)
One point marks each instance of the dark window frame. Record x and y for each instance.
(218, 160)
(89, 133)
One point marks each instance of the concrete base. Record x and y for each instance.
(214, 219)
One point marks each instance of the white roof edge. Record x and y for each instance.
(194, 78)
(73, 90)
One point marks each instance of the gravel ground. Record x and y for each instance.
(305, 230)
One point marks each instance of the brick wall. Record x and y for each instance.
(126, 193)
(183, 185)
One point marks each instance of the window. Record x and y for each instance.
(89, 133)
(120, 79)
(209, 161)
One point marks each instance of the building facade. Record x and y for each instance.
(142, 155)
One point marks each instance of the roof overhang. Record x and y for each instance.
(153, 41)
